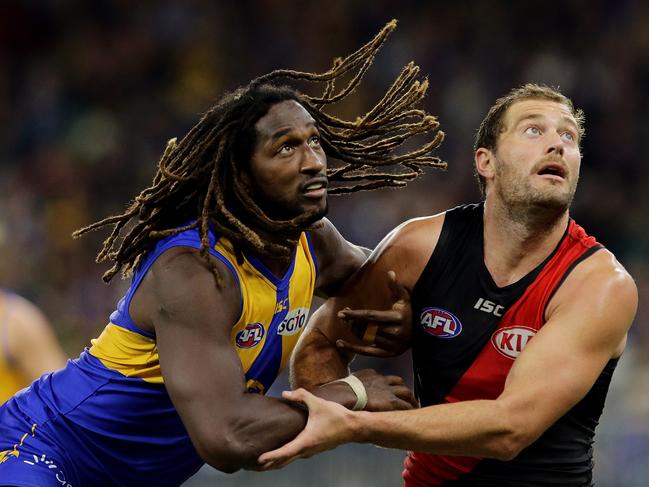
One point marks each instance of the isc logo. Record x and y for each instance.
(489, 307)
(440, 323)
(250, 336)
(510, 341)
(294, 322)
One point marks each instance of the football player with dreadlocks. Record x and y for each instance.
(225, 250)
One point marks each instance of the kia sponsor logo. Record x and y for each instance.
(294, 322)
(440, 323)
(511, 340)
(250, 336)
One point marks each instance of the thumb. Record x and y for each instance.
(299, 395)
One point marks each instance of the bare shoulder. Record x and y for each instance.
(603, 294)
(27, 326)
(323, 231)
(180, 282)
(604, 268)
(408, 247)
(600, 277)
(328, 242)
(25, 316)
(337, 258)
(187, 264)
(417, 233)
(32, 339)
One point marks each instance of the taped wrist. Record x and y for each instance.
(359, 389)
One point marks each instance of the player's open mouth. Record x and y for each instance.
(316, 188)
(553, 171)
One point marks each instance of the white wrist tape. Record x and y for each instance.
(358, 388)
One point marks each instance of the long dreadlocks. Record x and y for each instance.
(198, 179)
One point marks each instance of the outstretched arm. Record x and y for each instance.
(334, 332)
(586, 326)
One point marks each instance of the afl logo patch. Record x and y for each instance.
(250, 336)
(440, 323)
(510, 341)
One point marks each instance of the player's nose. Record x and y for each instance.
(313, 161)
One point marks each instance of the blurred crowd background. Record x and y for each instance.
(90, 92)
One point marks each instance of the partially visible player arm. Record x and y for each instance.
(33, 344)
(586, 326)
(193, 319)
(337, 258)
(317, 359)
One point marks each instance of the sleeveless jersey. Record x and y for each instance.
(11, 380)
(108, 415)
(467, 332)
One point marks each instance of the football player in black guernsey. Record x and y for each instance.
(518, 320)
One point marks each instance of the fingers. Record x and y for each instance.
(300, 395)
(368, 350)
(278, 464)
(403, 405)
(398, 290)
(405, 394)
(389, 316)
(378, 346)
(394, 380)
(279, 458)
(391, 335)
(294, 449)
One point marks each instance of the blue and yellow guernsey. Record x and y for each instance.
(107, 414)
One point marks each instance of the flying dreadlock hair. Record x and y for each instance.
(199, 178)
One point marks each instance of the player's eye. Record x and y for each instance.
(569, 136)
(533, 130)
(315, 140)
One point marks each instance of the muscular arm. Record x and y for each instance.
(406, 250)
(586, 326)
(337, 258)
(228, 426)
(33, 343)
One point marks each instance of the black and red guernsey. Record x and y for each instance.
(467, 332)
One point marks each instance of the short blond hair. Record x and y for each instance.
(493, 124)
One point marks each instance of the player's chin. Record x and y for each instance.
(316, 211)
(557, 201)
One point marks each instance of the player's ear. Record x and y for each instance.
(485, 161)
(244, 177)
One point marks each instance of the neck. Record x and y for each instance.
(278, 263)
(517, 240)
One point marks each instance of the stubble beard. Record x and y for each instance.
(285, 211)
(311, 217)
(530, 205)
